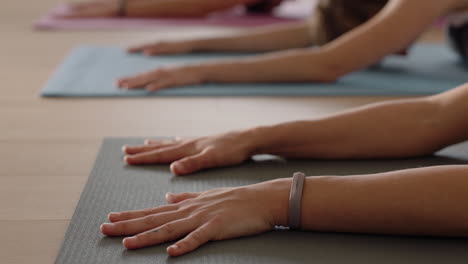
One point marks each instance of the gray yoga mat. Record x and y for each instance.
(91, 71)
(113, 186)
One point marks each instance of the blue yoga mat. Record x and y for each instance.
(90, 71)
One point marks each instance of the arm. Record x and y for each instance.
(393, 129)
(268, 38)
(179, 8)
(391, 30)
(427, 201)
(151, 8)
(401, 128)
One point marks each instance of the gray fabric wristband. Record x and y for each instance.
(295, 197)
(122, 8)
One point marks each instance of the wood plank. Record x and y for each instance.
(31, 241)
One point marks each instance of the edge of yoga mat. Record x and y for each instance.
(90, 71)
(112, 186)
(232, 18)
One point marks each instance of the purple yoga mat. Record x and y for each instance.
(289, 11)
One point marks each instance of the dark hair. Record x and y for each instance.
(262, 6)
(458, 38)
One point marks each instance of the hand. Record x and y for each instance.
(165, 47)
(99, 8)
(191, 155)
(162, 78)
(201, 217)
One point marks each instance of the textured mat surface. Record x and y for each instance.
(112, 186)
(91, 71)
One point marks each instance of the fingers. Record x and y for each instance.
(186, 165)
(139, 48)
(164, 233)
(192, 241)
(142, 224)
(162, 78)
(153, 49)
(157, 50)
(150, 49)
(160, 48)
(158, 156)
(138, 81)
(127, 215)
(163, 83)
(90, 10)
(163, 48)
(179, 197)
(153, 141)
(152, 81)
(130, 150)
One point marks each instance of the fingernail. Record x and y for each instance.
(127, 242)
(124, 148)
(168, 196)
(129, 239)
(107, 226)
(173, 247)
(112, 215)
(178, 167)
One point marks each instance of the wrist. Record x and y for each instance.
(228, 70)
(277, 200)
(271, 139)
(200, 71)
(256, 138)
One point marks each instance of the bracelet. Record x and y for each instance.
(122, 8)
(295, 197)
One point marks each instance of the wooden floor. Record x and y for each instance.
(48, 146)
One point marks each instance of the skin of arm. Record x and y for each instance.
(390, 31)
(392, 129)
(401, 128)
(180, 8)
(425, 201)
(268, 38)
(152, 8)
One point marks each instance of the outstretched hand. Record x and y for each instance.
(200, 217)
(162, 78)
(162, 48)
(165, 77)
(191, 155)
(91, 9)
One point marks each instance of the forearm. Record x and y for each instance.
(401, 128)
(427, 201)
(270, 38)
(178, 8)
(295, 65)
